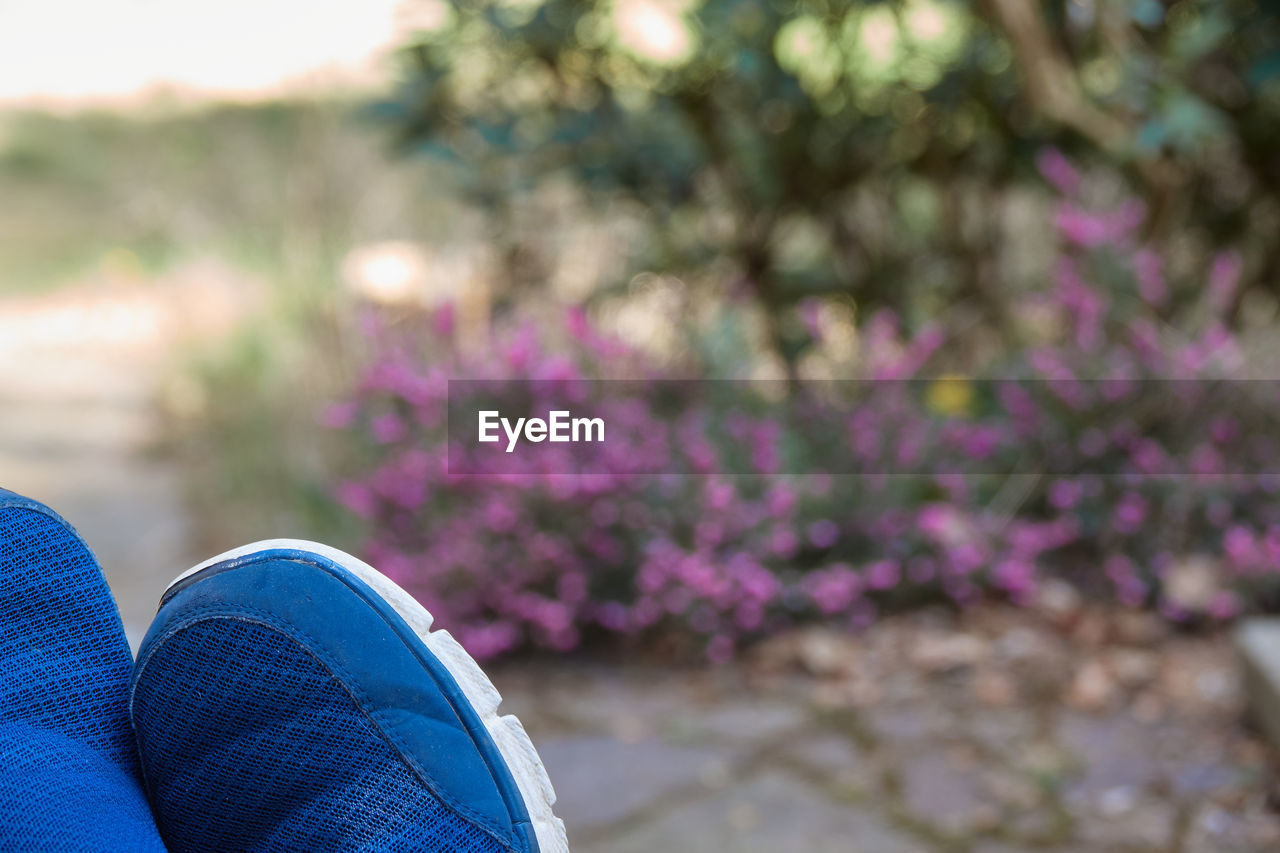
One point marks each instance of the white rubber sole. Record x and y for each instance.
(507, 732)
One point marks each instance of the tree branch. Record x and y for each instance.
(1051, 83)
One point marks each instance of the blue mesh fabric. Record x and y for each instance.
(64, 659)
(59, 794)
(249, 744)
(70, 772)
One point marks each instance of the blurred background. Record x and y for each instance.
(244, 247)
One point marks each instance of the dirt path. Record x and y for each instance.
(79, 371)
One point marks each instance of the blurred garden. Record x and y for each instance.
(1046, 233)
(920, 190)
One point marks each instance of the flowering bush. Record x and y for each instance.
(1077, 462)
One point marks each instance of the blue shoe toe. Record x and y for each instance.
(282, 704)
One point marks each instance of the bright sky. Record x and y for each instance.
(78, 49)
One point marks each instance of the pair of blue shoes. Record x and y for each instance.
(288, 697)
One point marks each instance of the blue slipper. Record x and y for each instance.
(288, 697)
(71, 777)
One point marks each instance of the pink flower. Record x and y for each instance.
(784, 542)
(1271, 545)
(811, 313)
(833, 589)
(1065, 494)
(1205, 461)
(612, 615)
(1240, 546)
(577, 325)
(823, 533)
(1129, 513)
(719, 495)
(388, 428)
(781, 500)
(966, 558)
(645, 534)
(1082, 228)
(1148, 456)
(1131, 214)
(1224, 276)
(356, 497)
(764, 448)
(522, 350)
(1015, 576)
(489, 640)
(1058, 171)
(444, 320)
(1132, 592)
(1151, 283)
(883, 574)
(1224, 429)
(937, 521)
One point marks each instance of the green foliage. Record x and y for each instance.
(890, 133)
(280, 187)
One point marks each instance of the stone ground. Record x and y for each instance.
(991, 732)
(1065, 729)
